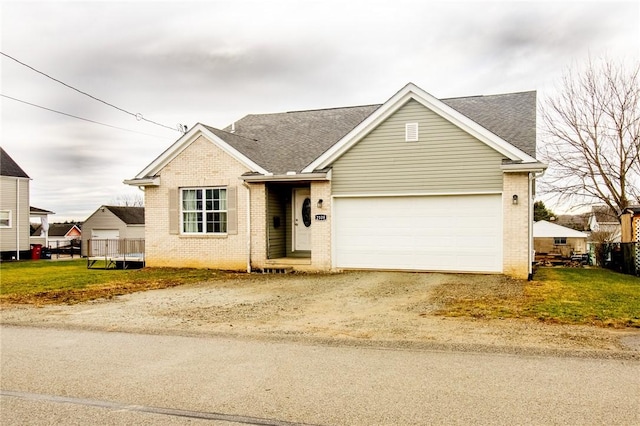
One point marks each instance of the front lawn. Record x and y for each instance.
(561, 295)
(592, 296)
(43, 281)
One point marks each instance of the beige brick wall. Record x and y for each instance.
(516, 224)
(201, 164)
(321, 231)
(258, 225)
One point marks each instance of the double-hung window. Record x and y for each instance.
(204, 210)
(5, 218)
(560, 241)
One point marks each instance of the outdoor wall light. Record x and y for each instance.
(515, 199)
(319, 203)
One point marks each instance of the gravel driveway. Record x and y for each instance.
(390, 309)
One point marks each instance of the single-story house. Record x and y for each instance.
(59, 234)
(113, 223)
(556, 239)
(605, 222)
(416, 183)
(15, 228)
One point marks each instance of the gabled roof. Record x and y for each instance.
(56, 229)
(413, 92)
(36, 210)
(511, 116)
(8, 167)
(289, 141)
(129, 215)
(604, 214)
(544, 229)
(306, 141)
(579, 222)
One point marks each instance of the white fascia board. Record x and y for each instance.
(152, 181)
(187, 139)
(524, 167)
(411, 91)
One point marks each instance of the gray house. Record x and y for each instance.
(113, 223)
(14, 209)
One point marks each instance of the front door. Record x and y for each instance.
(301, 219)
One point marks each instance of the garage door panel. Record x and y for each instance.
(452, 233)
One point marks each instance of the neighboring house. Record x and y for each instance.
(112, 223)
(14, 210)
(579, 222)
(416, 183)
(551, 238)
(60, 234)
(605, 223)
(39, 232)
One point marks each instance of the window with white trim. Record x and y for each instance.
(411, 132)
(5, 218)
(560, 241)
(204, 210)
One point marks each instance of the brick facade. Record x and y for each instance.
(516, 220)
(201, 164)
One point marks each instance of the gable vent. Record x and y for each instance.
(411, 132)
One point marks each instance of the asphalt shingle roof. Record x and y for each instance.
(129, 215)
(290, 141)
(8, 167)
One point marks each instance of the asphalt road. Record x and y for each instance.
(52, 376)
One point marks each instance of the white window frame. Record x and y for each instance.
(204, 211)
(558, 241)
(8, 218)
(411, 132)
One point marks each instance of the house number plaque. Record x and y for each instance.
(321, 217)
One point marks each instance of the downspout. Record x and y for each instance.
(17, 219)
(246, 185)
(532, 176)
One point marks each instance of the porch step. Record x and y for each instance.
(277, 270)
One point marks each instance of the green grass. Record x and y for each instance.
(70, 281)
(560, 295)
(584, 296)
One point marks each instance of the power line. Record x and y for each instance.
(138, 116)
(80, 118)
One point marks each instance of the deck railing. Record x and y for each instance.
(115, 251)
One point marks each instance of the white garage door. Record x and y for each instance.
(440, 233)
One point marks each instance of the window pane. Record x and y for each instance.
(192, 222)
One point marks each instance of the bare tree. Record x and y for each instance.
(129, 200)
(592, 136)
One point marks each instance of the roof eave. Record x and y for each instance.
(534, 166)
(146, 181)
(297, 177)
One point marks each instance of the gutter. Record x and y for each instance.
(532, 176)
(289, 177)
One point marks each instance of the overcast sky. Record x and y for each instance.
(214, 62)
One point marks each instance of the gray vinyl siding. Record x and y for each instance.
(15, 198)
(445, 159)
(277, 245)
(107, 220)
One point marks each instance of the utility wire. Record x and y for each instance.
(80, 118)
(138, 116)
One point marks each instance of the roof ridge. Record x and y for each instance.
(488, 96)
